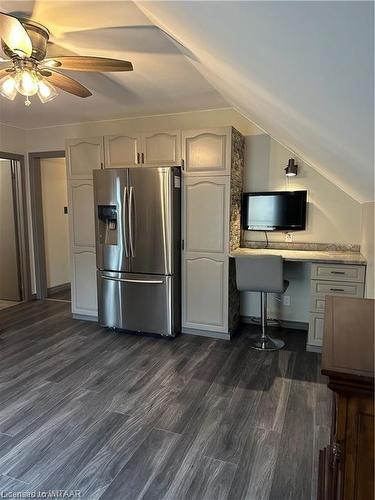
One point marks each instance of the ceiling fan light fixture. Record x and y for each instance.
(8, 87)
(46, 91)
(51, 63)
(27, 82)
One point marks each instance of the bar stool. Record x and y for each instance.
(264, 274)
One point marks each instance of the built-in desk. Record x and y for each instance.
(306, 255)
(332, 273)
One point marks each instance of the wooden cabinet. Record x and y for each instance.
(346, 464)
(206, 209)
(161, 148)
(211, 227)
(122, 151)
(330, 279)
(207, 151)
(84, 295)
(206, 289)
(83, 156)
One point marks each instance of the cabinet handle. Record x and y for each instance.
(337, 272)
(138, 158)
(143, 157)
(337, 290)
(183, 164)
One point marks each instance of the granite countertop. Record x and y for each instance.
(323, 256)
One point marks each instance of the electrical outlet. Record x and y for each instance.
(286, 300)
(289, 237)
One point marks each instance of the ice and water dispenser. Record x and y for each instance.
(108, 227)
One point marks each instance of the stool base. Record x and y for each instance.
(266, 344)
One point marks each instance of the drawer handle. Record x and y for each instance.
(337, 272)
(337, 290)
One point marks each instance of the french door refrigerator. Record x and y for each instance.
(138, 248)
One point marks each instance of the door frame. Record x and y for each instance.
(22, 224)
(37, 218)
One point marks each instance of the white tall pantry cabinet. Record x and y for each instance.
(212, 164)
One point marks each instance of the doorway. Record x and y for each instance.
(48, 182)
(14, 282)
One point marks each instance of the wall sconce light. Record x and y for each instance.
(291, 169)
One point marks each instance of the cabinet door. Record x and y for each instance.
(84, 156)
(205, 292)
(207, 151)
(82, 213)
(122, 150)
(316, 328)
(163, 148)
(84, 295)
(206, 214)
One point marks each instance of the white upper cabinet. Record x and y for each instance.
(122, 150)
(207, 151)
(82, 213)
(206, 214)
(84, 156)
(162, 148)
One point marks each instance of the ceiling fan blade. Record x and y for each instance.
(88, 63)
(14, 35)
(66, 83)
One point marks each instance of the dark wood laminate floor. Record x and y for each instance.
(120, 416)
(64, 294)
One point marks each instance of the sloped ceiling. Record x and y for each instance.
(303, 71)
(163, 80)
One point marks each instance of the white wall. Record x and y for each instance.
(332, 216)
(367, 245)
(56, 232)
(12, 139)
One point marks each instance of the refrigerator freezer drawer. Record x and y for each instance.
(136, 302)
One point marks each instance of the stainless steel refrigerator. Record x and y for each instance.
(138, 248)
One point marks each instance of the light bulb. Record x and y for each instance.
(8, 87)
(46, 91)
(27, 82)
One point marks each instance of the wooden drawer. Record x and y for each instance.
(319, 290)
(336, 272)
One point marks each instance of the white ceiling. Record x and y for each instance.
(301, 70)
(163, 80)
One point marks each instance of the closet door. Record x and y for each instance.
(207, 151)
(122, 150)
(83, 156)
(161, 148)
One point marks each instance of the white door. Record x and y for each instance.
(122, 150)
(84, 156)
(84, 295)
(205, 292)
(206, 214)
(82, 213)
(161, 148)
(207, 151)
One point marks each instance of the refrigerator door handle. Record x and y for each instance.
(131, 221)
(124, 280)
(124, 220)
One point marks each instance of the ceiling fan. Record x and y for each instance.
(29, 72)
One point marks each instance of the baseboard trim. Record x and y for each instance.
(58, 288)
(206, 333)
(85, 317)
(293, 325)
(313, 348)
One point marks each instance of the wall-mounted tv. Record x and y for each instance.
(274, 211)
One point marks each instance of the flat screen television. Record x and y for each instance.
(274, 211)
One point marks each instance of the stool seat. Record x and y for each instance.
(264, 274)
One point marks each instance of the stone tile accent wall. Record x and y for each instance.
(236, 185)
